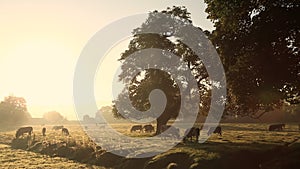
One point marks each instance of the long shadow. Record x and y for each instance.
(184, 155)
(250, 155)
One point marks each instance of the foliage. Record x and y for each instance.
(140, 85)
(104, 114)
(258, 42)
(88, 119)
(13, 110)
(53, 117)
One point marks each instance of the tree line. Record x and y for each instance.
(13, 111)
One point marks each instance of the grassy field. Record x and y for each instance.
(241, 146)
(16, 158)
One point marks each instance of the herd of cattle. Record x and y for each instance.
(194, 132)
(166, 130)
(171, 131)
(28, 130)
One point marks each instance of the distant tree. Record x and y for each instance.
(53, 117)
(258, 42)
(103, 110)
(13, 110)
(88, 119)
(140, 86)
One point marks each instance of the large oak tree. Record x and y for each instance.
(140, 85)
(258, 42)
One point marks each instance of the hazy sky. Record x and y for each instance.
(41, 40)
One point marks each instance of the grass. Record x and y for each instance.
(249, 145)
(16, 158)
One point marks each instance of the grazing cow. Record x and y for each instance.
(23, 130)
(57, 127)
(191, 133)
(276, 127)
(65, 131)
(218, 130)
(169, 131)
(44, 131)
(136, 128)
(148, 128)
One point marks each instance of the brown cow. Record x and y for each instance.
(218, 130)
(136, 128)
(23, 130)
(191, 133)
(276, 127)
(65, 131)
(148, 128)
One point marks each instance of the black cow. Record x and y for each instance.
(23, 130)
(136, 128)
(191, 133)
(44, 131)
(57, 127)
(276, 127)
(217, 130)
(148, 128)
(65, 131)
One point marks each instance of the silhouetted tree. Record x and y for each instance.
(140, 85)
(13, 110)
(258, 42)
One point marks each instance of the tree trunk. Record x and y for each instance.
(162, 120)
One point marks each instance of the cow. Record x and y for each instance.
(44, 131)
(276, 127)
(23, 130)
(57, 127)
(169, 131)
(217, 130)
(65, 131)
(191, 133)
(136, 128)
(148, 128)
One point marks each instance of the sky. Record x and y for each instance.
(41, 40)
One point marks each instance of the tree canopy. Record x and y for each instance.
(142, 84)
(53, 117)
(13, 110)
(258, 42)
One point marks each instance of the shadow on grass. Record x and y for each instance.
(184, 155)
